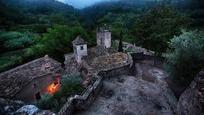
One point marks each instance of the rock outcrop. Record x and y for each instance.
(28, 109)
(191, 102)
(8, 106)
(128, 95)
(13, 107)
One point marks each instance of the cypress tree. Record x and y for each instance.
(120, 47)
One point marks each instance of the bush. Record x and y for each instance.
(70, 85)
(186, 56)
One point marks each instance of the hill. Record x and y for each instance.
(22, 12)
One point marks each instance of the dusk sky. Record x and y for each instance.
(81, 3)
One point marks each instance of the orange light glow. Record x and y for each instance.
(53, 88)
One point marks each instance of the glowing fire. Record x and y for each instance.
(52, 88)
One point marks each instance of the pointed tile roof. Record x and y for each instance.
(79, 41)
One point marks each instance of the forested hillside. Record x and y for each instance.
(23, 23)
(33, 28)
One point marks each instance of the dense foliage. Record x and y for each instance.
(158, 26)
(57, 41)
(186, 56)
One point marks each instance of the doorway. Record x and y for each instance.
(37, 96)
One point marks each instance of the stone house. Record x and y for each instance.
(80, 48)
(29, 81)
(74, 60)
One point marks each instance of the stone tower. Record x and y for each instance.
(104, 37)
(80, 48)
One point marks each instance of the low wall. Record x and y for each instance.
(82, 102)
(150, 59)
(125, 70)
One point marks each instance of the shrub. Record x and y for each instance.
(186, 56)
(69, 85)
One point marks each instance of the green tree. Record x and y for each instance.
(186, 56)
(158, 26)
(57, 41)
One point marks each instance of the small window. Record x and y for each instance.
(82, 48)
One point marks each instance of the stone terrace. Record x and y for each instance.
(101, 62)
(12, 81)
(97, 52)
(71, 66)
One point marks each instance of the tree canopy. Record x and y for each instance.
(155, 29)
(185, 57)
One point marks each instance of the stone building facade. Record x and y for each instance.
(103, 37)
(80, 48)
(27, 82)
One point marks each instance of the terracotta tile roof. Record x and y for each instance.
(13, 81)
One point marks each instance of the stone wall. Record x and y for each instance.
(125, 70)
(81, 102)
(104, 38)
(150, 59)
(40, 83)
(133, 48)
(71, 66)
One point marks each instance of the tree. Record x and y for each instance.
(158, 26)
(186, 56)
(120, 47)
(57, 41)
